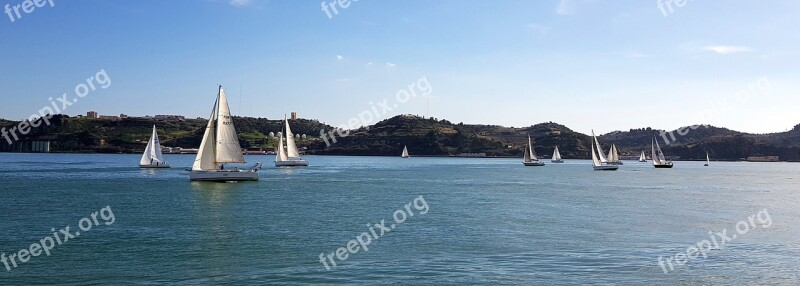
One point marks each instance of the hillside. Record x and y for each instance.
(423, 136)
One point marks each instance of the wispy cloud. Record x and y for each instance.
(241, 3)
(727, 50)
(339, 57)
(369, 64)
(390, 65)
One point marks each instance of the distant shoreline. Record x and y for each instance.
(417, 156)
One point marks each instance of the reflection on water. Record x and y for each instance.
(216, 211)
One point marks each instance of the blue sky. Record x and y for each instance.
(606, 65)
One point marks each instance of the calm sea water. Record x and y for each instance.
(489, 221)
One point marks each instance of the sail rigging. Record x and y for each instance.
(220, 143)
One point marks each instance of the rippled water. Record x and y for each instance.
(490, 221)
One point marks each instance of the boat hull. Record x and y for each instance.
(556, 161)
(298, 163)
(165, 166)
(533, 164)
(223, 175)
(606, 168)
(615, 163)
(663, 166)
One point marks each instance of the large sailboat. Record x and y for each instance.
(599, 162)
(530, 159)
(613, 155)
(642, 158)
(288, 155)
(405, 153)
(152, 157)
(220, 146)
(556, 156)
(659, 161)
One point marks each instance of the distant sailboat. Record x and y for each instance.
(405, 153)
(556, 156)
(642, 158)
(152, 157)
(220, 146)
(708, 160)
(288, 156)
(599, 162)
(659, 161)
(613, 156)
(530, 159)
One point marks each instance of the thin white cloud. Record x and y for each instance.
(638, 55)
(369, 64)
(339, 57)
(241, 3)
(727, 50)
(390, 65)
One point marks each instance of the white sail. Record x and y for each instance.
(642, 158)
(531, 150)
(600, 155)
(405, 152)
(228, 149)
(556, 154)
(526, 158)
(205, 159)
(152, 153)
(281, 155)
(613, 154)
(291, 147)
(653, 154)
(708, 158)
(595, 161)
(661, 157)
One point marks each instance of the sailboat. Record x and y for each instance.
(288, 156)
(405, 153)
(642, 158)
(599, 162)
(530, 159)
(220, 146)
(556, 156)
(152, 157)
(708, 160)
(613, 156)
(658, 157)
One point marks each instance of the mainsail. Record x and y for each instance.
(527, 157)
(291, 147)
(405, 152)
(556, 154)
(613, 154)
(595, 161)
(220, 143)
(658, 156)
(281, 156)
(152, 153)
(602, 157)
(531, 150)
